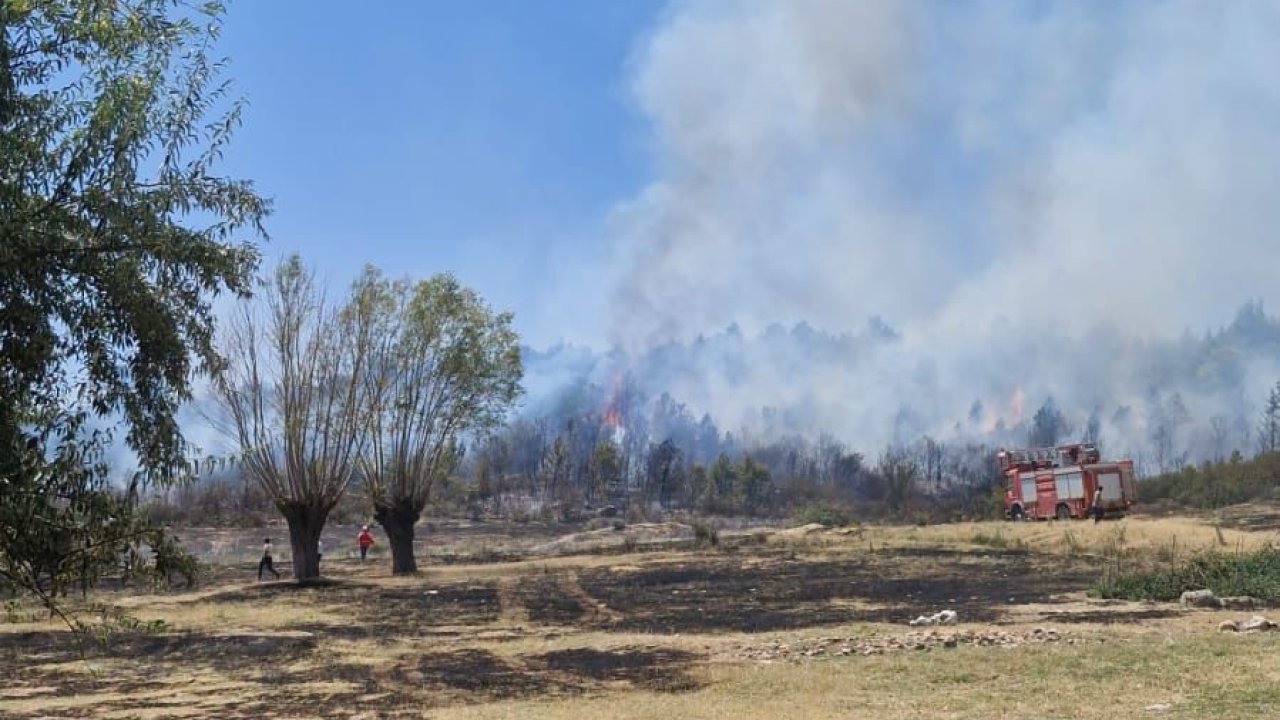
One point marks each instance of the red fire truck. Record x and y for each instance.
(1060, 482)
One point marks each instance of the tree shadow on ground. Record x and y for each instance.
(224, 653)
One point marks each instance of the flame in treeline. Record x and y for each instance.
(1015, 408)
(1016, 403)
(612, 414)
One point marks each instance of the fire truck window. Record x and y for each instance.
(1028, 489)
(1069, 485)
(1110, 484)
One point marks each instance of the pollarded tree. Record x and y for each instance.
(115, 235)
(447, 368)
(293, 389)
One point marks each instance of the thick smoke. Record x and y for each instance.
(1036, 197)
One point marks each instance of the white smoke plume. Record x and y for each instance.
(1031, 194)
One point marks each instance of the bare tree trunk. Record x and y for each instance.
(305, 525)
(398, 519)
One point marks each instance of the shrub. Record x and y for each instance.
(997, 540)
(1255, 573)
(1215, 484)
(823, 514)
(705, 534)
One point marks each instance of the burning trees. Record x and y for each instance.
(445, 368)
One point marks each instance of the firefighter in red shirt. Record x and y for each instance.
(365, 541)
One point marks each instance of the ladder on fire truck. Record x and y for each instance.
(1042, 457)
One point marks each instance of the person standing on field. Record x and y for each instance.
(365, 541)
(266, 563)
(1097, 505)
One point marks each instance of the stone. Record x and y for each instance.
(1256, 623)
(1240, 602)
(944, 617)
(1200, 599)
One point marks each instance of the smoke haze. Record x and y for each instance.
(1036, 197)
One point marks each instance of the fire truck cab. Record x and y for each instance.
(1060, 482)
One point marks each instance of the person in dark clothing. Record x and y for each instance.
(265, 563)
(1096, 509)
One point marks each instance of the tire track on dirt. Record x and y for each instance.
(592, 609)
(510, 607)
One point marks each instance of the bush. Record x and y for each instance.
(823, 514)
(705, 534)
(1217, 484)
(998, 540)
(1255, 573)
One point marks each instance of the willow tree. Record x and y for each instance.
(447, 369)
(116, 232)
(292, 388)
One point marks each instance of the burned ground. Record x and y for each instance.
(371, 646)
(782, 592)
(374, 611)
(272, 674)
(546, 601)
(1109, 617)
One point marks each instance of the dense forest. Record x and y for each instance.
(607, 432)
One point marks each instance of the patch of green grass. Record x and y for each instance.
(1255, 573)
(822, 514)
(997, 540)
(705, 534)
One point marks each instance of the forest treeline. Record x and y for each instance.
(642, 459)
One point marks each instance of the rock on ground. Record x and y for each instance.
(1200, 598)
(1257, 623)
(804, 649)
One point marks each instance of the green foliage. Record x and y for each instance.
(605, 472)
(115, 236)
(998, 540)
(62, 526)
(705, 534)
(112, 623)
(745, 487)
(899, 473)
(827, 514)
(1255, 573)
(1216, 484)
(443, 368)
(16, 612)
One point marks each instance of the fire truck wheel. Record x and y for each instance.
(1063, 513)
(1016, 512)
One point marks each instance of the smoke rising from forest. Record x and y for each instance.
(1040, 199)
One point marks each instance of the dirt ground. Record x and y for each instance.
(767, 624)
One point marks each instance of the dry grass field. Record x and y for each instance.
(509, 622)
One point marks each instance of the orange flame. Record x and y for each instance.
(612, 416)
(1016, 403)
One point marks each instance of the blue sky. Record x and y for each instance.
(487, 138)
